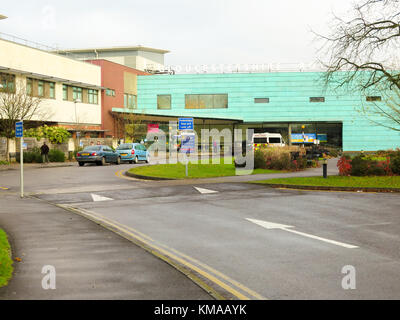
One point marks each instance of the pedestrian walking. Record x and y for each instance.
(45, 152)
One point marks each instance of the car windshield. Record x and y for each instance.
(126, 146)
(93, 148)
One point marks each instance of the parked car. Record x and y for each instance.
(133, 152)
(99, 155)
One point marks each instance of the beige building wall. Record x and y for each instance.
(26, 59)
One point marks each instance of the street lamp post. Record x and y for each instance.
(78, 134)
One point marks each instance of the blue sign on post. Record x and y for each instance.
(19, 129)
(186, 124)
(188, 143)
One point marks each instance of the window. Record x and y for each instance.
(93, 96)
(206, 101)
(110, 93)
(261, 100)
(317, 99)
(374, 99)
(164, 102)
(29, 83)
(40, 88)
(52, 87)
(260, 140)
(77, 93)
(7, 82)
(65, 92)
(129, 101)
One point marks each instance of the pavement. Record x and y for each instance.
(91, 262)
(15, 166)
(241, 240)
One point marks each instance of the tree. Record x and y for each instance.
(362, 53)
(135, 129)
(16, 105)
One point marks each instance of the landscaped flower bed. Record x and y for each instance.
(383, 163)
(286, 158)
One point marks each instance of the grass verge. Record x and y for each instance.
(196, 171)
(6, 268)
(338, 181)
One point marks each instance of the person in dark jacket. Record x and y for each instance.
(45, 152)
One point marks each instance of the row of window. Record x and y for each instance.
(195, 101)
(319, 99)
(39, 88)
(220, 101)
(130, 101)
(7, 82)
(77, 93)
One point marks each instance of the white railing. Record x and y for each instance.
(32, 44)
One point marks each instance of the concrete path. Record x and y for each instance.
(91, 262)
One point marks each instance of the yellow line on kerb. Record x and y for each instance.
(3, 188)
(142, 238)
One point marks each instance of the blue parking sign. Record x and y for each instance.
(19, 129)
(186, 124)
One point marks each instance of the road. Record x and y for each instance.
(226, 232)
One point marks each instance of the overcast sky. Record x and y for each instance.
(196, 32)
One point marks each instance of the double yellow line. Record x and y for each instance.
(3, 188)
(176, 259)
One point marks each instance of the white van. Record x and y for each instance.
(267, 140)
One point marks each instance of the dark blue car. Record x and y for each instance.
(99, 155)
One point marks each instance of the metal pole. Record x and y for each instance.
(187, 168)
(22, 166)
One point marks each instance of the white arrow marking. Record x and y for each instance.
(97, 198)
(205, 191)
(271, 226)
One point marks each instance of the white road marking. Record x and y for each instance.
(271, 226)
(97, 198)
(205, 191)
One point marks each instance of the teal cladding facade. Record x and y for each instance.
(289, 96)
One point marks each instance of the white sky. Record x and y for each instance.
(196, 32)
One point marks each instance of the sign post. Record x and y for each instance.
(188, 138)
(19, 133)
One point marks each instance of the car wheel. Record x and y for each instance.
(118, 161)
(136, 160)
(103, 161)
(81, 164)
(148, 159)
(131, 162)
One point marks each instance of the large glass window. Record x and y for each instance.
(164, 102)
(7, 82)
(93, 96)
(29, 84)
(52, 89)
(129, 101)
(77, 93)
(65, 92)
(40, 88)
(110, 92)
(206, 101)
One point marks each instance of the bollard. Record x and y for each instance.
(325, 168)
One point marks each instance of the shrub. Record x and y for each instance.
(344, 166)
(55, 135)
(56, 156)
(395, 164)
(280, 159)
(259, 160)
